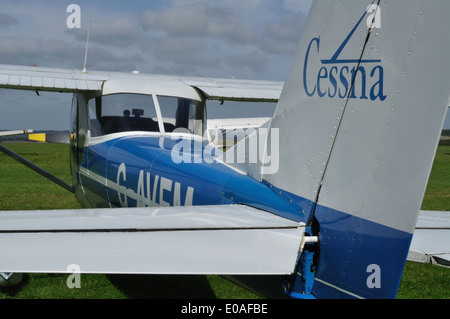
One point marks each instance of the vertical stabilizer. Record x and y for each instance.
(359, 122)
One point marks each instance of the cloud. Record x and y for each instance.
(26, 50)
(115, 33)
(7, 20)
(281, 37)
(199, 20)
(192, 37)
(255, 61)
(297, 6)
(183, 52)
(286, 29)
(254, 24)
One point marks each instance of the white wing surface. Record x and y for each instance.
(63, 80)
(238, 90)
(183, 240)
(431, 240)
(49, 79)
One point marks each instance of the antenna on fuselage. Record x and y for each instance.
(87, 45)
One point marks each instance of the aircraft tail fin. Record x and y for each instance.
(358, 123)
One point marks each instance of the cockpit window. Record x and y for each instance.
(182, 115)
(122, 113)
(117, 113)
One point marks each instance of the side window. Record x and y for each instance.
(182, 115)
(122, 113)
(94, 124)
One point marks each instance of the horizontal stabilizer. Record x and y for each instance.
(174, 240)
(431, 240)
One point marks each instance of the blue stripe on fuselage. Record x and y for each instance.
(212, 183)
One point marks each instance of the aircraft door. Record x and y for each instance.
(77, 141)
(74, 170)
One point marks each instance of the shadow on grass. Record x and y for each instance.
(163, 287)
(11, 292)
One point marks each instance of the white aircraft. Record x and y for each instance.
(431, 241)
(16, 132)
(330, 206)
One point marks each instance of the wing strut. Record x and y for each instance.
(37, 169)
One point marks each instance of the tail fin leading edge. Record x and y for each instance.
(359, 121)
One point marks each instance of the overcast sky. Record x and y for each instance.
(251, 39)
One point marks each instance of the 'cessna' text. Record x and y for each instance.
(335, 78)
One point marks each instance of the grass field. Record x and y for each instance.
(22, 189)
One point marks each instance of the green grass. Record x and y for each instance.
(423, 281)
(22, 189)
(437, 196)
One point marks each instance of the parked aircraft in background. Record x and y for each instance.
(16, 132)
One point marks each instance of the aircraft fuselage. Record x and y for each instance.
(141, 171)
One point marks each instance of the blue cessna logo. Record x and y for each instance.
(335, 77)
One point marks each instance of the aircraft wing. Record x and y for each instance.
(16, 132)
(431, 240)
(49, 79)
(218, 240)
(64, 80)
(237, 123)
(238, 90)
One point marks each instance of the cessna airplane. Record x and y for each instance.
(330, 209)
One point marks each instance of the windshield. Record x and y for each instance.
(117, 113)
(122, 113)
